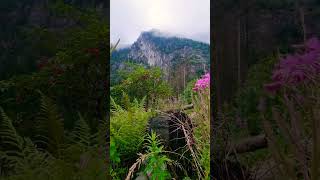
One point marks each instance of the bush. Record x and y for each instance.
(142, 82)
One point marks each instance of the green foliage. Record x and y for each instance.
(140, 82)
(72, 71)
(156, 163)
(114, 155)
(247, 99)
(50, 125)
(169, 45)
(22, 159)
(81, 133)
(127, 128)
(136, 119)
(188, 92)
(201, 134)
(11, 143)
(47, 138)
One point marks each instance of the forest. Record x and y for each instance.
(53, 83)
(266, 123)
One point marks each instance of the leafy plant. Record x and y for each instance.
(156, 163)
(12, 143)
(135, 119)
(22, 159)
(247, 99)
(127, 128)
(50, 125)
(188, 92)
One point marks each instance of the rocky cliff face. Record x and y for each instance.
(176, 56)
(146, 50)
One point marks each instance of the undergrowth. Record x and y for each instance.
(79, 156)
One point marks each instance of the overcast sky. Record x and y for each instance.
(187, 18)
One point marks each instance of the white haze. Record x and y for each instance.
(182, 18)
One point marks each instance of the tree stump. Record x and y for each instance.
(168, 127)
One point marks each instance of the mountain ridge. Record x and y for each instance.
(172, 54)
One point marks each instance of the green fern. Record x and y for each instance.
(101, 138)
(121, 120)
(8, 133)
(34, 163)
(142, 102)
(51, 128)
(11, 143)
(81, 133)
(114, 106)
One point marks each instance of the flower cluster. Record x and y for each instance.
(202, 83)
(93, 51)
(297, 68)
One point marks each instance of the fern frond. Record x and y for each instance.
(11, 144)
(100, 136)
(114, 105)
(50, 125)
(33, 159)
(9, 138)
(81, 133)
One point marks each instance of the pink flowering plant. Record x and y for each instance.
(203, 83)
(201, 118)
(296, 69)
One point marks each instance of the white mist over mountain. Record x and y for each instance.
(181, 18)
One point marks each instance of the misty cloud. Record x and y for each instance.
(183, 18)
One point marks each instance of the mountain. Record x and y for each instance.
(180, 59)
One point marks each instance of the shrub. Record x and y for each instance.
(142, 82)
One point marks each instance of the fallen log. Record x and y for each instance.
(230, 168)
(184, 108)
(250, 144)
